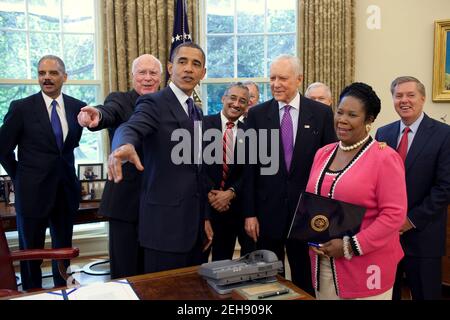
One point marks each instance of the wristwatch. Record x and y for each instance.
(232, 190)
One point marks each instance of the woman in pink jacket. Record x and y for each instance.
(367, 173)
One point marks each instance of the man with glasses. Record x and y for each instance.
(224, 179)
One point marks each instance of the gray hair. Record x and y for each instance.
(55, 58)
(294, 61)
(136, 61)
(404, 79)
(251, 83)
(318, 85)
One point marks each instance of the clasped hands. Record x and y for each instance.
(220, 200)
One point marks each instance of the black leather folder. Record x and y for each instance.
(320, 219)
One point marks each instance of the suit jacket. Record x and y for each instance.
(273, 198)
(120, 201)
(172, 199)
(427, 169)
(213, 172)
(41, 167)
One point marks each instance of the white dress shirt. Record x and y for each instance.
(413, 130)
(59, 109)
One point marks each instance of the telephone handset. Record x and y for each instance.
(260, 256)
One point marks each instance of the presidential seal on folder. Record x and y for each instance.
(320, 219)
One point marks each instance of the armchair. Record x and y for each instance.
(8, 284)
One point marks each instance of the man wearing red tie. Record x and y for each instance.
(424, 145)
(45, 129)
(224, 179)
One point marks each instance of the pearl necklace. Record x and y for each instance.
(353, 146)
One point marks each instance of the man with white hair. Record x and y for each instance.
(319, 91)
(304, 126)
(120, 202)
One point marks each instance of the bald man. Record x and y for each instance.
(120, 202)
(320, 92)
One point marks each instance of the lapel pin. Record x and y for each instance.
(307, 126)
(241, 141)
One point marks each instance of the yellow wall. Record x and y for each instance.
(403, 46)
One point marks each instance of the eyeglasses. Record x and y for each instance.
(241, 101)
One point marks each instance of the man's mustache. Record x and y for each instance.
(48, 82)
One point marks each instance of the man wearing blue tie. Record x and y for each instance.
(45, 129)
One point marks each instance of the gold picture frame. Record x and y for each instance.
(441, 73)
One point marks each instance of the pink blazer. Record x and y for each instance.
(376, 181)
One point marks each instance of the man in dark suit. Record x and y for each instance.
(44, 127)
(424, 145)
(172, 210)
(120, 202)
(224, 179)
(303, 126)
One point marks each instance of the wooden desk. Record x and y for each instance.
(185, 284)
(87, 213)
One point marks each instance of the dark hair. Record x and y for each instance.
(235, 85)
(188, 45)
(55, 58)
(366, 95)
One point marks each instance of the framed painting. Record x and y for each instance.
(441, 74)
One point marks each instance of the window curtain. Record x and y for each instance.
(327, 43)
(134, 27)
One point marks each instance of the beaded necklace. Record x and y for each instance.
(353, 146)
(341, 172)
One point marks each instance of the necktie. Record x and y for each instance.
(402, 148)
(287, 137)
(228, 154)
(196, 118)
(56, 125)
(192, 110)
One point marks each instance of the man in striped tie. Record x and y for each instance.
(224, 179)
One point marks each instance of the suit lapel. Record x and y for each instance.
(44, 120)
(71, 116)
(273, 122)
(421, 139)
(305, 118)
(392, 136)
(177, 110)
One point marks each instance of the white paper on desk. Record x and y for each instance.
(114, 290)
(53, 295)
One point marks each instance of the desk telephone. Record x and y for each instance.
(226, 275)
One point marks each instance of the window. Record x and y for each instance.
(30, 29)
(241, 38)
